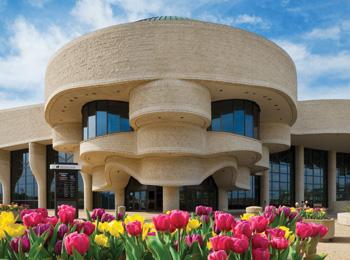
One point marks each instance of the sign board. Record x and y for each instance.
(66, 185)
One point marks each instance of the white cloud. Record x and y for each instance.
(244, 18)
(313, 67)
(22, 71)
(332, 33)
(37, 3)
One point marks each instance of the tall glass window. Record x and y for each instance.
(343, 176)
(1, 199)
(235, 116)
(240, 199)
(105, 117)
(104, 199)
(282, 178)
(315, 171)
(24, 188)
(59, 157)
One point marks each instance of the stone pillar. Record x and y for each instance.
(265, 188)
(299, 174)
(171, 198)
(37, 162)
(119, 196)
(5, 176)
(223, 200)
(88, 198)
(332, 178)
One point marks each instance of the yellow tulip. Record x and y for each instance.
(287, 232)
(7, 218)
(101, 240)
(309, 210)
(192, 224)
(145, 229)
(247, 216)
(209, 245)
(133, 218)
(116, 228)
(102, 227)
(292, 209)
(291, 238)
(15, 230)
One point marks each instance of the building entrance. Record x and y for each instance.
(143, 197)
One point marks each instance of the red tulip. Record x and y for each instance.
(97, 214)
(50, 220)
(80, 242)
(161, 222)
(203, 210)
(318, 229)
(243, 227)
(270, 209)
(25, 211)
(260, 241)
(279, 243)
(43, 212)
(240, 244)
(259, 223)
(134, 228)
(219, 255)
(303, 229)
(25, 244)
(88, 227)
(269, 216)
(204, 218)
(179, 218)
(260, 254)
(221, 243)
(192, 238)
(224, 221)
(275, 232)
(32, 219)
(66, 213)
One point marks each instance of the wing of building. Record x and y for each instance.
(171, 112)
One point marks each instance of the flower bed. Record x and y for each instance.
(275, 234)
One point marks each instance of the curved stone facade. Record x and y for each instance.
(171, 72)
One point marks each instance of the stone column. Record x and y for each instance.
(171, 198)
(223, 200)
(5, 176)
(265, 188)
(299, 174)
(119, 196)
(37, 162)
(332, 178)
(88, 197)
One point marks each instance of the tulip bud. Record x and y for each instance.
(161, 222)
(58, 247)
(107, 217)
(80, 242)
(240, 244)
(259, 223)
(120, 216)
(88, 227)
(224, 221)
(219, 255)
(260, 254)
(31, 219)
(260, 241)
(279, 243)
(190, 239)
(286, 211)
(62, 230)
(243, 227)
(204, 218)
(97, 214)
(270, 209)
(221, 243)
(303, 229)
(66, 213)
(179, 218)
(25, 244)
(134, 228)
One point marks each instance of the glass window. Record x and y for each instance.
(23, 183)
(104, 199)
(282, 178)
(343, 176)
(243, 199)
(315, 169)
(236, 116)
(105, 117)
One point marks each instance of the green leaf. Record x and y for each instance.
(159, 251)
(88, 216)
(316, 257)
(53, 239)
(76, 255)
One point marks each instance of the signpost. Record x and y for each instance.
(66, 185)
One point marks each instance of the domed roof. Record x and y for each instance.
(168, 18)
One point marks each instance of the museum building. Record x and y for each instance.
(171, 112)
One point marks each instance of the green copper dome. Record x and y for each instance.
(167, 18)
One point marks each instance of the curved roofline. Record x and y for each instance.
(158, 18)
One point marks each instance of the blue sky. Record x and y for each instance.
(315, 33)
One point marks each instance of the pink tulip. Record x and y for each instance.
(260, 254)
(43, 212)
(259, 223)
(179, 218)
(260, 241)
(97, 214)
(270, 209)
(66, 213)
(25, 211)
(219, 255)
(303, 229)
(243, 227)
(279, 243)
(192, 238)
(269, 216)
(202, 210)
(275, 232)
(240, 243)
(161, 222)
(204, 218)
(221, 243)
(80, 242)
(134, 228)
(50, 220)
(224, 221)
(25, 244)
(88, 227)
(318, 229)
(286, 211)
(107, 218)
(31, 219)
